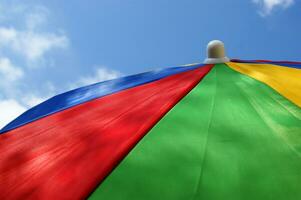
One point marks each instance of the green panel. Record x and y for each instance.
(231, 137)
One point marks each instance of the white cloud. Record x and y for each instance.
(9, 72)
(33, 100)
(10, 109)
(267, 6)
(7, 35)
(37, 18)
(10, 75)
(30, 44)
(11, 104)
(27, 40)
(101, 74)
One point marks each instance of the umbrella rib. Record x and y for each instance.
(266, 120)
(207, 137)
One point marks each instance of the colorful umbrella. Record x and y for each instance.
(221, 130)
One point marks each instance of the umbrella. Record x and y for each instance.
(222, 129)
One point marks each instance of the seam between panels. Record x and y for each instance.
(154, 123)
(260, 114)
(108, 123)
(287, 64)
(265, 120)
(5, 129)
(286, 108)
(272, 86)
(206, 139)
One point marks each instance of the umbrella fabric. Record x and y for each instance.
(228, 131)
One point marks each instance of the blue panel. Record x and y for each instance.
(280, 63)
(87, 93)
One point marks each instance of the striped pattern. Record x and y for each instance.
(88, 93)
(284, 80)
(235, 139)
(65, 155)
(280, 63)
(229, 131)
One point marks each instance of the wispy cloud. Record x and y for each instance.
(268, 6)
(8, 71)
(101, 73)
(30, 44)
(36, 18)
(25, 41)
(10, 109)
(33, 100)
(10, 75)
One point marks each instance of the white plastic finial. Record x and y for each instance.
(216, 53)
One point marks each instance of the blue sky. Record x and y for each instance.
(48, 47)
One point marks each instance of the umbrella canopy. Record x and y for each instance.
(230, 130)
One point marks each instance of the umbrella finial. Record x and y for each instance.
(216, 53)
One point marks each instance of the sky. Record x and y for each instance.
(49, 47)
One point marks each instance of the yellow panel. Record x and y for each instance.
(285, 80)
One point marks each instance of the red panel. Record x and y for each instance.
(66, 155)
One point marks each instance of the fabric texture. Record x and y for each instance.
(279, 63)
(229, 131)
(67, 154)
(284, 80)
(84, 94)
(232, 137)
